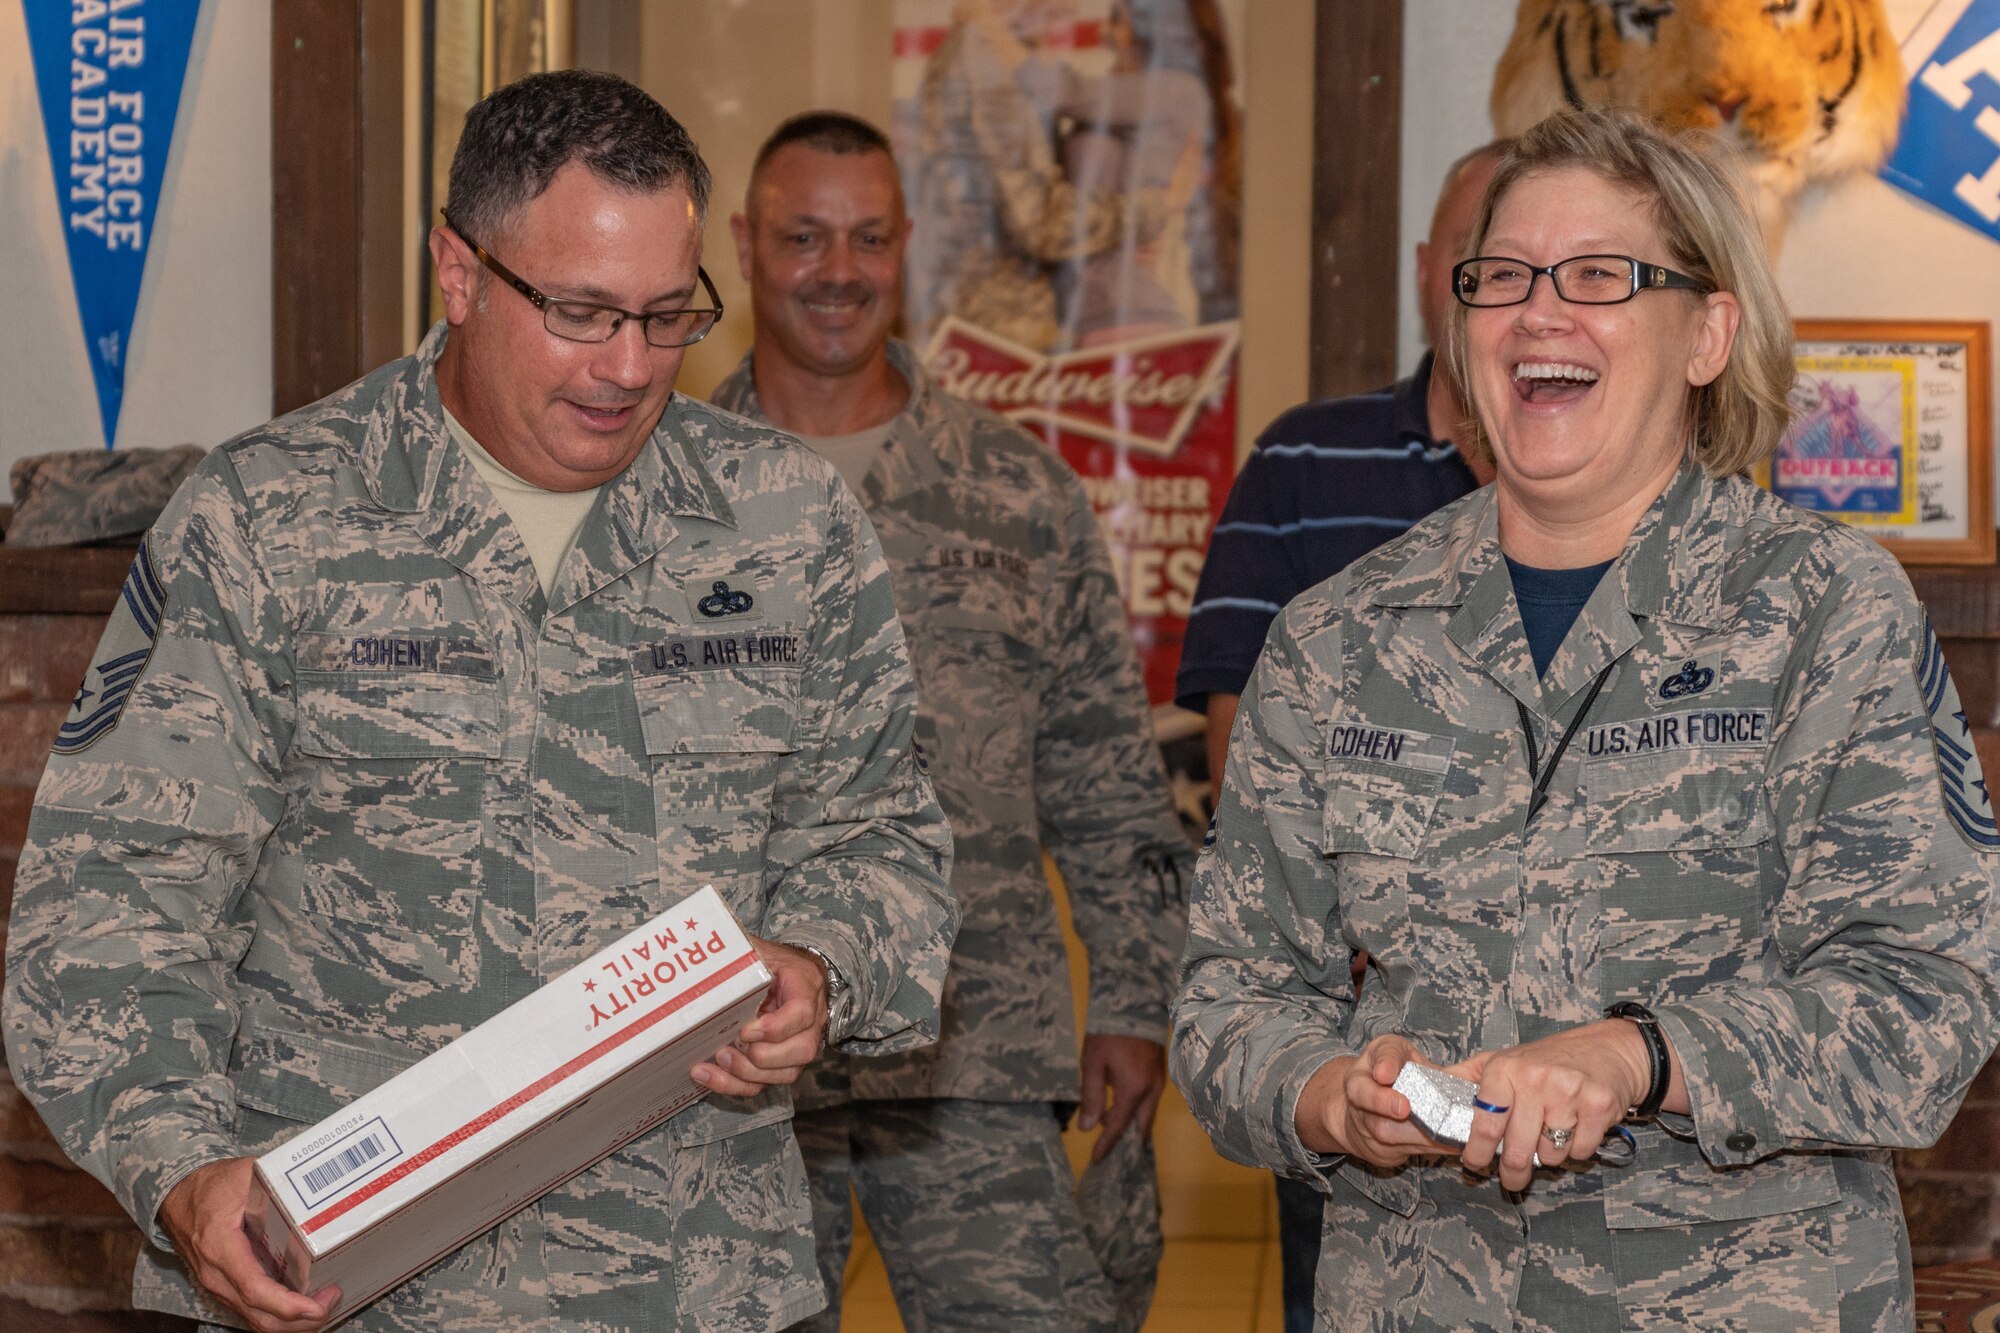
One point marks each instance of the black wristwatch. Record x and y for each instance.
(1657, 1056)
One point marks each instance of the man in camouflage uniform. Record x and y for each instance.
(1033, 721)
(382, 760)
(1770, 827)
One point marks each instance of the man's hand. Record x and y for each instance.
(204, 1217)
(785, 1035)
(1134, 1072)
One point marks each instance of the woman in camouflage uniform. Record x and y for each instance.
(1650, 800)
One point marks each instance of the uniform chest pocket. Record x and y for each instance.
(968, 643)
(1379, 809)
(978, 685)
(1685, 800)
(715, 743)
(392, 798)
(730, 692)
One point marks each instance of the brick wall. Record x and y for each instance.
(1951, 1190)
(66, 1249)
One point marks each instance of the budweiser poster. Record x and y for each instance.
(1075, 169)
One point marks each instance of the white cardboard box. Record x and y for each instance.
(512, 1109)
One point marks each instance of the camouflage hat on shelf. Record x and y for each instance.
(94, 494)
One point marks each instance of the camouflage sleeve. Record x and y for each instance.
(1102, 794)
(1883, 929)
(1265, 999)
(859, 847)
(119, 1004)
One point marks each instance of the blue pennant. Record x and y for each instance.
(110, 75)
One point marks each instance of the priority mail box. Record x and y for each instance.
(510, 1110)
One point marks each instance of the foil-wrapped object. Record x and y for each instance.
(1441, 1106)
(1440, 1103)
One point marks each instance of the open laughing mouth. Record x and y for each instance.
(1551, 382)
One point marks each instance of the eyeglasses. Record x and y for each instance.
(590, 322)
(1487, 280)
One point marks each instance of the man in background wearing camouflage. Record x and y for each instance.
(1034, 723)
(393, 727)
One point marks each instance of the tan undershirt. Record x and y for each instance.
(548, 521)
(852, 454)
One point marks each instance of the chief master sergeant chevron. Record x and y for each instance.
(411, 733)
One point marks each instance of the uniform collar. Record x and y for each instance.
(668, 481)
(1671, 569)
(411, 466)
(907, 463)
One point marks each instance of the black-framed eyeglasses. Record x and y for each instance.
(592, 322)
(1492, 280)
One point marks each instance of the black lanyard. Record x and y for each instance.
(1544, 776)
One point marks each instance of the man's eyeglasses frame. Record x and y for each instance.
(648, 319)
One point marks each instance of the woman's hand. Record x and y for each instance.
(1580, 1080)
(1349, 1107)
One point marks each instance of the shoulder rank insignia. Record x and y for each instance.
(1692, 678)
(1965, 796)
(121, 658)
(724, 601)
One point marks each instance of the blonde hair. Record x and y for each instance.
(1698, 206)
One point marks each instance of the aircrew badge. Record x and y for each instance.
(1692, 679)
(121, 658)
(1683, 678)
(1965, 797)
(723, 601)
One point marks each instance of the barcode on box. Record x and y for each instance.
(344, 1163)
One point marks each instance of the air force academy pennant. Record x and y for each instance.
(121, 658)
(110, 74)
(1965, 797)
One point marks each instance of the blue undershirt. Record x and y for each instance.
(1550, 601)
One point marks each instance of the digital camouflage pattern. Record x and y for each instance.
(969, 1204)
(372, 787)
(93, 495)
(1033, 723)
(1749, 834)
(998, 212)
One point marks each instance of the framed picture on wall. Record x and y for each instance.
(1892, 432)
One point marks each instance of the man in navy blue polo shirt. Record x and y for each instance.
(1328, 482)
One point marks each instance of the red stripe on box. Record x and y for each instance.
(525, 1095)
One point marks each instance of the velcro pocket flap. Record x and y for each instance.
(308, 1076)
(344, 715)
(1379, 809)
(1677, 800)
(1673, 1185)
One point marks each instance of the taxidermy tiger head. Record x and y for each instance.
(1808, 89)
